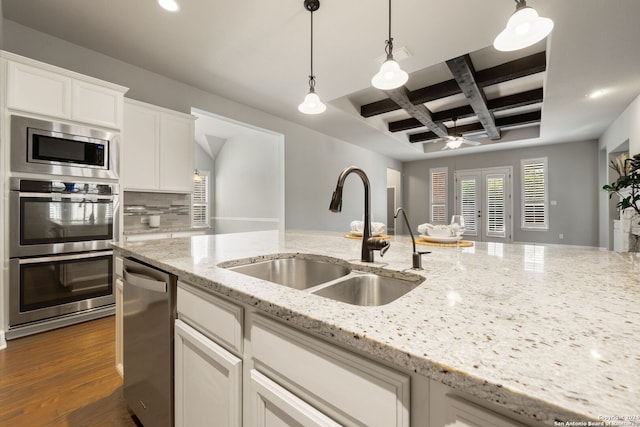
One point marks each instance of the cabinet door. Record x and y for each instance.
(208, 381)
(176, 153)
(140, 148)
(274, 406)
(461, 413)
(38, 91)
(96, 104)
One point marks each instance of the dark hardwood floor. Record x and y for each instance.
(65, 377)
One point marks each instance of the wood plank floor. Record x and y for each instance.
(65, 377)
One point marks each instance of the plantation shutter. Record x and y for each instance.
(534, 194)
(496, 205)
(468, 208)
(200, 201)
(439, 196)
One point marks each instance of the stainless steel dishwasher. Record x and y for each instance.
(149, 314)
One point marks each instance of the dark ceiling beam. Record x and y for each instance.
(502, 122)
(522, 67)
(512, 70)
(522, 99)
(419, 112)
(465, 74)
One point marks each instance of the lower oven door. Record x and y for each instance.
(51, 286)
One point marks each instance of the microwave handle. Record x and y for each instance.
(144, 282)
(67, 196)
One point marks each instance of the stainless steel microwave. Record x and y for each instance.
(43, 147)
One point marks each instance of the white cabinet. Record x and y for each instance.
(448, 408)
(208, 381)
(274, 406)
(208, 377)
(349, 389)
(157, 152)
(42, 89)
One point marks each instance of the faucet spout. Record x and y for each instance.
(369, 244)
(417, 256)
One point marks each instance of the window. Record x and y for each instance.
(496, 205)
(439, 196)
(535, 211)
(200, 200)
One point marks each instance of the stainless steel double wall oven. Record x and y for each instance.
(63, 214)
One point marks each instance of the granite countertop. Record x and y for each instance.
(550, 332)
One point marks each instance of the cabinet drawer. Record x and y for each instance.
(216, 318)
(350, 389)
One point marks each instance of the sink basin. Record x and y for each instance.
(368, 289)
(298, 273)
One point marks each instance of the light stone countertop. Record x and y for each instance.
(550, 332)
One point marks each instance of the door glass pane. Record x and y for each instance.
(496, 204)
(468, 206)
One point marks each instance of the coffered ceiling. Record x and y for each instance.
(257, 53)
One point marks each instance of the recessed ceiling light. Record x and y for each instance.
(596, 94)
(169, 5)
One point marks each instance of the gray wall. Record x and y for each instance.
(312, 160)
(573, 183)
(246, 187)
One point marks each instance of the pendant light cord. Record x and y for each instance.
(312, 79)
(389, 44)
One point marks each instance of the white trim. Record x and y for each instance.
(237, 218)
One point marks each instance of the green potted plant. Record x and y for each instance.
(627, 186)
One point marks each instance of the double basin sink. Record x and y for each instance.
(330, 278)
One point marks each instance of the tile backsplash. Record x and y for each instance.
(173, 209)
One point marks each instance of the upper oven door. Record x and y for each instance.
(43, 147)
(46, 224)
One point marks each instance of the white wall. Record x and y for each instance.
(313, 160)
(626, 128)
(246, 187)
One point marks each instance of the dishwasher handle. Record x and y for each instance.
(144, 281)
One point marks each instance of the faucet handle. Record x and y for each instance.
(378, 244)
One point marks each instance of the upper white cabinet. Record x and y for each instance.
(45, 90)
(157, 152)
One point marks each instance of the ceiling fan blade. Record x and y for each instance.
(470, 142)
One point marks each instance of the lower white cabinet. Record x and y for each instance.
(349, 388)
(208, 381)
(274, 406)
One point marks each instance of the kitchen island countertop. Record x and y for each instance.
(547, 331)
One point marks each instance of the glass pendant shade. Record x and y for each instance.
(390, 76)
(312, 104)
(169, 5)
(524, 28)
(454, 143)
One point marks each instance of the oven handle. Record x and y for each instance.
(57, 196)
(23, 261)
(144, 282)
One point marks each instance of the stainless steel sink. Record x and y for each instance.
(298, 273)
(368, 289)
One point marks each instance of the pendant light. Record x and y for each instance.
(524, 28)
(390, 75)
(312, 103)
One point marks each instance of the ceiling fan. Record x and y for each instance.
(457, 139)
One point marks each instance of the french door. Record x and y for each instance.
(483, 197)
